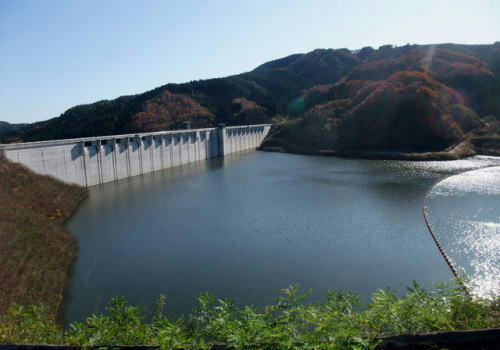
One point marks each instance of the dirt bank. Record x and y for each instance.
(36, 251)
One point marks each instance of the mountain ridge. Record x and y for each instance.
(297, 86)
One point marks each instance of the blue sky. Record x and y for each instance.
(55, 54)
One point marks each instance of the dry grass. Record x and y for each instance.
(36, 251)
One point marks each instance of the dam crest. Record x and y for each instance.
(93, 161)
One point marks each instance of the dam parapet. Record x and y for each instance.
(92, 161)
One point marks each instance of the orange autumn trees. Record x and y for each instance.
(408, 111)
(246, 111)
(170, 111)
(459, 70)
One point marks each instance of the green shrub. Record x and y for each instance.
(340, 321)
(29, 324)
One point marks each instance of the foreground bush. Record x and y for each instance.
(340, 321)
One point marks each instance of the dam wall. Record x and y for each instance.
(96, 160)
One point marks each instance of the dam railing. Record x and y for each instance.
(92, 161)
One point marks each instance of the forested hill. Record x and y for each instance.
(413, 97)
(8, 127)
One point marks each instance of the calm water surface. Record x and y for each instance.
(246, 226)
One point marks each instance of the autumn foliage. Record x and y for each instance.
(170, 111)
(456, 69)
(246, 111)
(412, 97)
(408, 111)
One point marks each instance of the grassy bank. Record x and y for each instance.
(36, 251)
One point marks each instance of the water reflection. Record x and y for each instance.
(465, 212)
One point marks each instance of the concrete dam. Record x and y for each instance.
(96, 160)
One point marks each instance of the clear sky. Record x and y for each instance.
(55, 54)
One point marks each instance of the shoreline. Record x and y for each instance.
(488, 146)
(69, 273)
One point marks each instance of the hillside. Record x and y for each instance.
(413, 98)
(8, 127)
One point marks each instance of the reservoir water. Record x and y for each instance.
(246, 226)
(465, 213)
